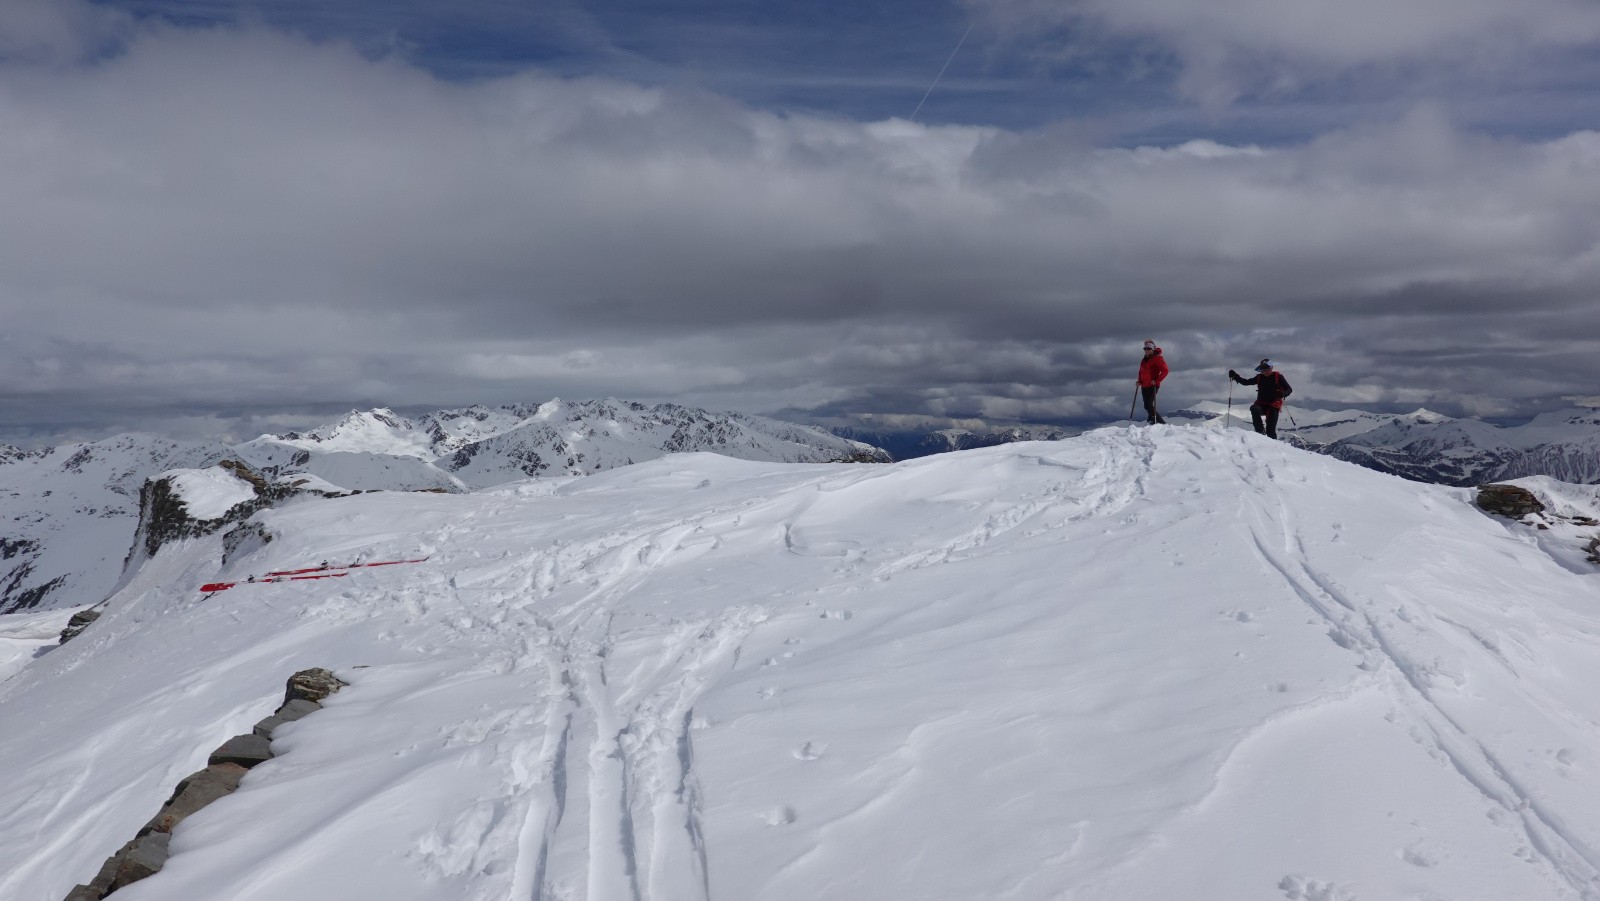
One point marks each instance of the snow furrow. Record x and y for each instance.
(1356, 626)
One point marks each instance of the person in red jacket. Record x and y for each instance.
(1271, 389)
(1152, 369)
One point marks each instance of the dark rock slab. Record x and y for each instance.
(196, 792)
(244, 750)
(1508, 500)
(78, 623)
(288, 713)
(143, 860)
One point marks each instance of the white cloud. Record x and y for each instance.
(244, 218)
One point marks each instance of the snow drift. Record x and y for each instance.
(1152, 663)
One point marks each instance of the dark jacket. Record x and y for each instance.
(1271, 387)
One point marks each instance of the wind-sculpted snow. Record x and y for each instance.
(1155, 663)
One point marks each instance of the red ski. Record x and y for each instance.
(306, 574)
(327, 568)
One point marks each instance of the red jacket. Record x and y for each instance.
(1152, 370)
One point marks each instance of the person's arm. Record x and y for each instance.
(1161, 371)
(1241, 380)
(1283, 383)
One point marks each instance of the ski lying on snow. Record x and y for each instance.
(301, 575)
(326, 568)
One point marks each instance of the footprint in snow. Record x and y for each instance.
(1418, 856)
(1299, 888)
(811, 750)
(779, 816)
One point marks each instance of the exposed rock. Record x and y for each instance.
(143, 860)
(312, 685)
(196, 792)
(78, 623)
(1508, 500)
(164, 517)
(288, 713)
(147, 852)
(244, 539)
(245, 750)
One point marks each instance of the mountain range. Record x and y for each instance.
(906, 444)
(1424, 446)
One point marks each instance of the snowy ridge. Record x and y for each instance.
(1564, 445)
(495, 445)
(1139, 663)
(905, 445)
(68, 513)
(1427, 447)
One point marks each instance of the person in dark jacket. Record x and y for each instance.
(1152, 369)
(1271, 389)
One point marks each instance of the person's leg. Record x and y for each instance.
(1255, 419)
(1149, 392)
(1272, 422)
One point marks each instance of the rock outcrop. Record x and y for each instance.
(164, 514)
(1508, 501)
(147, 852)
(78, 623)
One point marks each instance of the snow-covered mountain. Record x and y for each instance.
(1564, 445)
(67, 514)
(478, 447)
(1306, 427)
(907, 444)
(1141, 663)
(1428, 447)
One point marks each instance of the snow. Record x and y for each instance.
(209, 493)
(1165, 662)
(24, 636)
(1311, 426)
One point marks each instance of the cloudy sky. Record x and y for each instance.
(221, 217)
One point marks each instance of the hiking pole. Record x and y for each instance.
(1134, 402)
(1228, 420)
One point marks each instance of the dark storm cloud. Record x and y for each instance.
(243, 222)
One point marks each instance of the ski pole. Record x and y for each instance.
(1228, 420)
(1134, 402)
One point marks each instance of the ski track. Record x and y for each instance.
(1357, 625)
(599, 797)
(585, 715)
(601, 780)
